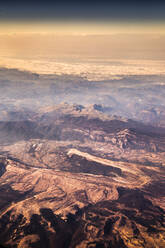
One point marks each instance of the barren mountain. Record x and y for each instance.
(72, 176)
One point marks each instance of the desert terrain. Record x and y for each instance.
(77, 167)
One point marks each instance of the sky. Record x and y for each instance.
(82, 16)
(117, 29)
(91, 10)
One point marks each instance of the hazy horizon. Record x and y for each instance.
(107, 30)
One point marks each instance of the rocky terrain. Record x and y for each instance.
(73, 176)
(82, 162)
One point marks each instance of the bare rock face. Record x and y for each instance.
(71, 178)
(3, 164)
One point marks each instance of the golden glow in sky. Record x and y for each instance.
(114, 40)
(82, 28)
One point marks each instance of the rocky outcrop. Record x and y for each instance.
(72, 179)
